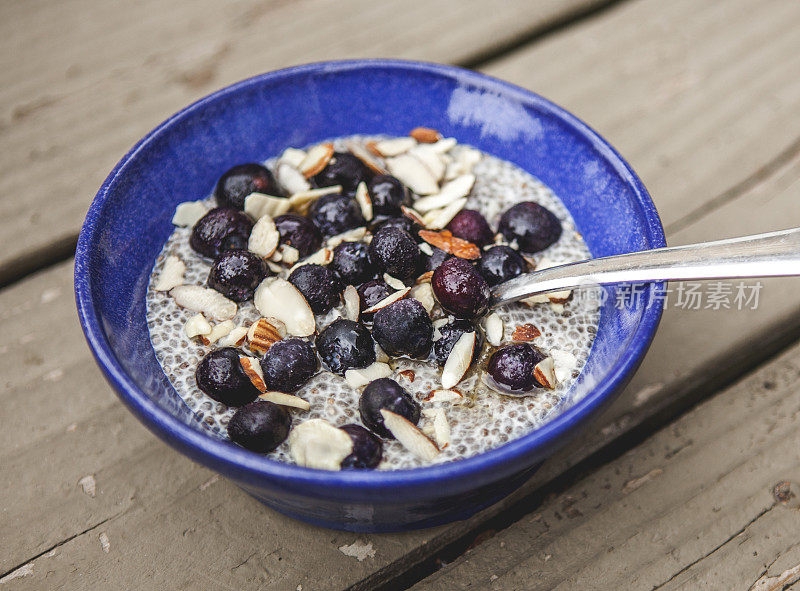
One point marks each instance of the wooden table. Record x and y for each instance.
(691, 479)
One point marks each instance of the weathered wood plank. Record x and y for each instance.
(142, 506)
(695, 506)
(82, 81)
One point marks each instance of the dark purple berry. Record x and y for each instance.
(460, 289)
(319, 285)
(501, 263)
(288, 364)
(471, 226)
(450, 333)
(512, 367)
(532, 226)
(237, 273)
(394, 251)
(387, 194)
(403, 328)
(403, 222)
(343, 169)
(335, 214)
(220, 375)
(386, 394)
(241, 180)
(367, 449)
(370, 293)
(260, 426)
(219, 230)
(351, 262)
(299, 232)
(437, 258)
(344, 345)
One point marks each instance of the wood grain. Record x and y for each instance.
(84, 79)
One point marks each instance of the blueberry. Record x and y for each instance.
(532, 226)
(471, 226)
(437, 258)
(403, 222)
(219, 230)
(370, 293)
(351, 262)
(501, 263)
(367, 449)
(387, 194)
(220, 375)
(343, 169)
(335, 214)
(241, 180)
(450, 333)
(319, 285)
(260, 426)
(237, 273)
(344, 345)
(512, 367)
(394, 250)
(460, 289)
(299, 232)
(288, 364)
(403, 328)
(386, 394)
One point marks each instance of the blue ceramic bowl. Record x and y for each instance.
(181, 159)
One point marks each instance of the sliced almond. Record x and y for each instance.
(171, 274)
(415, 216)
(285, 400)
(441, 428)
(423, 293)
(393, 282)
(264, 333)
(353, 235)
(439, 218)
(560, 297)
(202, 299)
(275, 268)
(264, 237)
(494, 329)
(425, 248)
(446, 396)
(364, 201)
(252, 369)
(409, 436)
(426, 276)
(444, 145)
(291, 179)
(390, 299)
(352, 303)
(257, 205)
(525, 333)
(459, 360)
(196, 326)
(445, 241)
(293, 157)
(301, 201)
(316, 159)
(452, 191)
(289, 254)
(425, 135)
(394, 146)
(234, 338)
(316, 443)
(322, 257)
(545, 373)
(187, 213)
(218, 331)
(358, 378)
(380, 354)
(365, 157)
(280, 299)
(430, 158)
(564, 362)
(413, 173)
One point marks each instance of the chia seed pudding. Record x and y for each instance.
(345, 285)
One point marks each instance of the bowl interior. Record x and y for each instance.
(181, 160)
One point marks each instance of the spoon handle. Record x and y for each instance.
(772, 254)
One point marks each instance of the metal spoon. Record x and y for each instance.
(774, 254)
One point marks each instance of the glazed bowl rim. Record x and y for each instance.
(254, 468)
